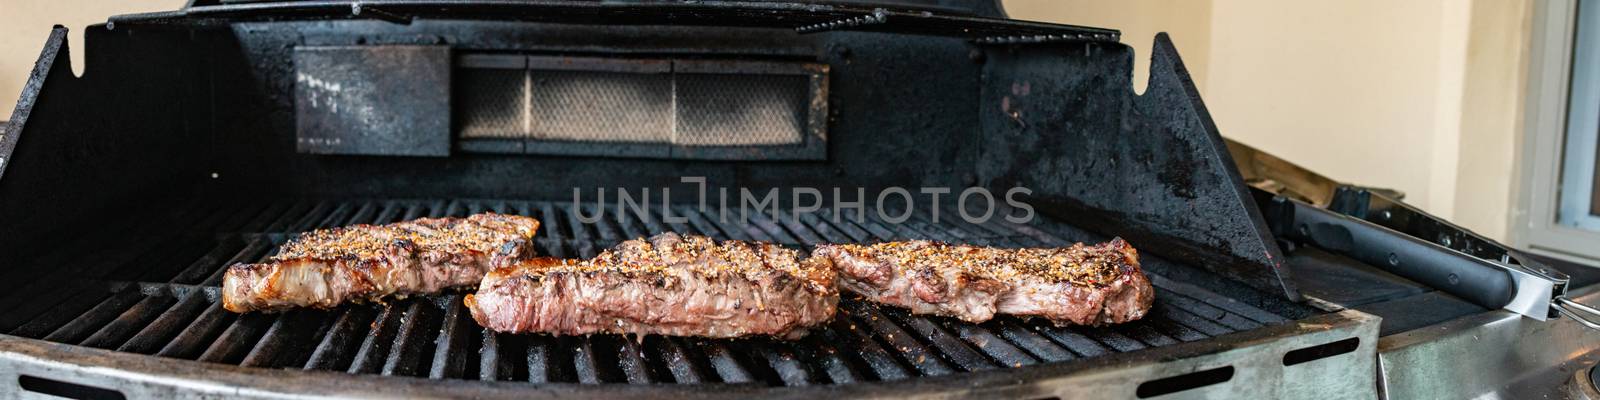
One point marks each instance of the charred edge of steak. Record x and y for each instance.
(1080, 284)
(677, 285)
(327, 267)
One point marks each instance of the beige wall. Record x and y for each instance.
(25, 24)
(1188, 22)
(1417, 95)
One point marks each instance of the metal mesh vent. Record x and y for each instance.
(601, 107)
(741, 110)
(495, 105)
(644, 108)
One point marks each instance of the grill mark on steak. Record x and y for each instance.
(326, 267)
(669, 284)
(1081, 284)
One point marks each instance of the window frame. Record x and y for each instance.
(1537, 217)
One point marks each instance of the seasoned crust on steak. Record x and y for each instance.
(326, 267)
(669, 284)
(1081, 284)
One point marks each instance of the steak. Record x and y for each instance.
(326, 267)
(1081, 284)
(669, 284)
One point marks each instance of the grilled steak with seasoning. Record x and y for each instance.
(1084, 285)
(669, 284)
(325, 267)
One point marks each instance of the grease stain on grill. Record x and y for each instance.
(160, 300)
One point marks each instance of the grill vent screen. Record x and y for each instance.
(735, 110)
(643, 108)
(600, 107)
(495, 100)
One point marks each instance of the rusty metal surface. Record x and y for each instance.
(391, 100)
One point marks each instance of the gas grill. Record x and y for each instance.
(204, 137)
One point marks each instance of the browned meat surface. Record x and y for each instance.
(1084, 285)
(670, 284)
(326, 267)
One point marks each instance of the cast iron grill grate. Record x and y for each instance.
(154, 291)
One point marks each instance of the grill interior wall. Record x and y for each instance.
(903, 112)
(157, 294)
(187, 188)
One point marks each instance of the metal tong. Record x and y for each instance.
(1373, 226)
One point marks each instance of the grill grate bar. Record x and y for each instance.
(584, 362)
(199, 332)
(368, 358)
(61, 264)
(282, 221)
(1142, 332)
(434, 336)
(1187, 319)
(1077, 342)
(631, 357)
(87, 322)
(723, 361)
(683, 367)
(412, 343)
(829, 360)
(1217, 315)
(46, 294)
(449, 361)
(540, 368)
(152, 337)
(491, 367)
(1175, 330)
(332, 351)
(286, 341)
(912, 351)
(840, 232)
(237, 340)
(256, 248)
(261, 220)
(1113, 339)
(126, 325)
(998, 349)
(1035, 344)
(882, 364)
(81, 299)
(1201, 295)
(788, 367)
(952, 348)
(197, 271)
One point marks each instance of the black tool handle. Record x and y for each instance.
(1444, 269)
